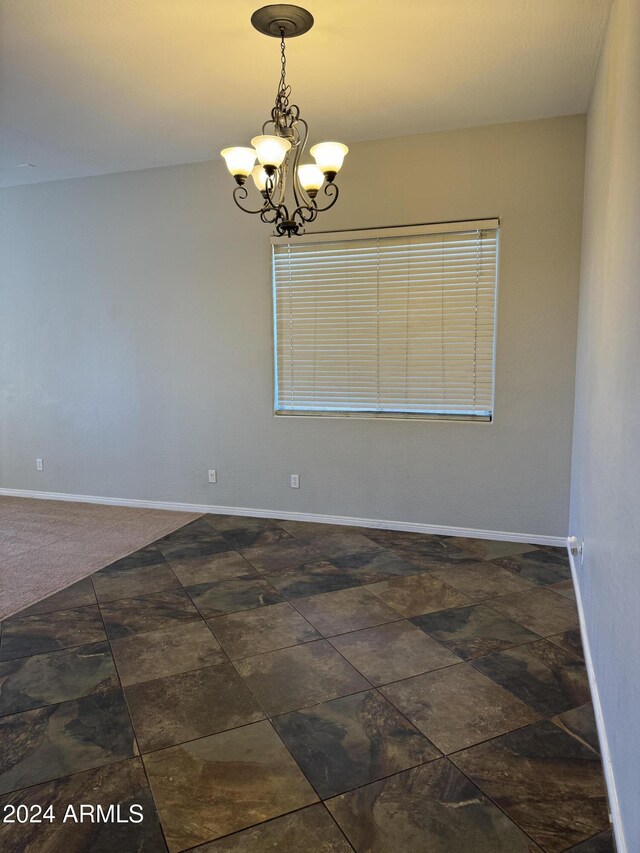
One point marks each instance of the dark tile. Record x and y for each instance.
(417, 594)
(253, 632)
(394, 537)
(79, 594)
(482, 580)
(190, 705)
(198, 527)
(212, 568)
(197, 539)
(281, 555)
(128, 616)
(312, 579)
(345, 610)
(351, 741)
(294, 678)
(310, 830)
(340, 544)
(392, 652)
(427, 551)
(220, 523)
(253, 536)
(473, 631)
(428, 561)
(489, 549)
(552, 549)
(372, 566)
(60, 739)
(601, 843)
(46, 632)
(544, 779)
(539, 567)
(541, 674)
(570, 641)
(540, 610)
(220, 784)
(53, 677)
(307, 529)
(581, 723)
(147, 556)
(430, 809)
(564, 588)
(156, 654)
(457, 706)
(117, 786)
(215, 599)
(121, 580)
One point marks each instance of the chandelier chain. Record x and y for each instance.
(282, 97)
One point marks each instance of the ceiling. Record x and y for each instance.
(96, 86)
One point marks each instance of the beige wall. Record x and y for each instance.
(136, 339)
(605, 499)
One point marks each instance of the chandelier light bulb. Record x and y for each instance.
(260, 178)
(239, 162)
(271, 150)
(311, 178)
(329, 157)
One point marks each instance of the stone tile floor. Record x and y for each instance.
(256, 685)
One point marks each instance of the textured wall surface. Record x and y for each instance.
(605, 493)
(136, 334)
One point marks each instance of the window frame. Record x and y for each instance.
(488, 223)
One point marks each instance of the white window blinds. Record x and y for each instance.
(393, 322)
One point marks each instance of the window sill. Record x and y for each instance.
(383, 416)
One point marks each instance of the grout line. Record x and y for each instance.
(497, 805)
(340, 829)
(135, 737)
(237, 832)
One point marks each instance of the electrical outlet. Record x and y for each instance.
(39, 465)
(295, 481)
(213, 475)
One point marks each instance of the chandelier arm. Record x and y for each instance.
(277, 205)
(241, 193)
(332, 191)
(266, 219)
(268, 194)
(282, 183)
(301, 196)
(305, 213)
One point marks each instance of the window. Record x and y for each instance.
(396, 322)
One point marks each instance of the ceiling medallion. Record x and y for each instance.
(289, 188)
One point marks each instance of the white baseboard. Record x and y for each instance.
(614, 805)
(410, 526)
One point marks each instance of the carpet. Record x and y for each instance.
(47, 545)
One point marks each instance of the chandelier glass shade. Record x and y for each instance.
(288, 188)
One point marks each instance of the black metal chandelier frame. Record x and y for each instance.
(288, 219)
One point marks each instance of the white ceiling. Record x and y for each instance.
(96, 86)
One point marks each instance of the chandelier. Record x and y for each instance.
(289, 188)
